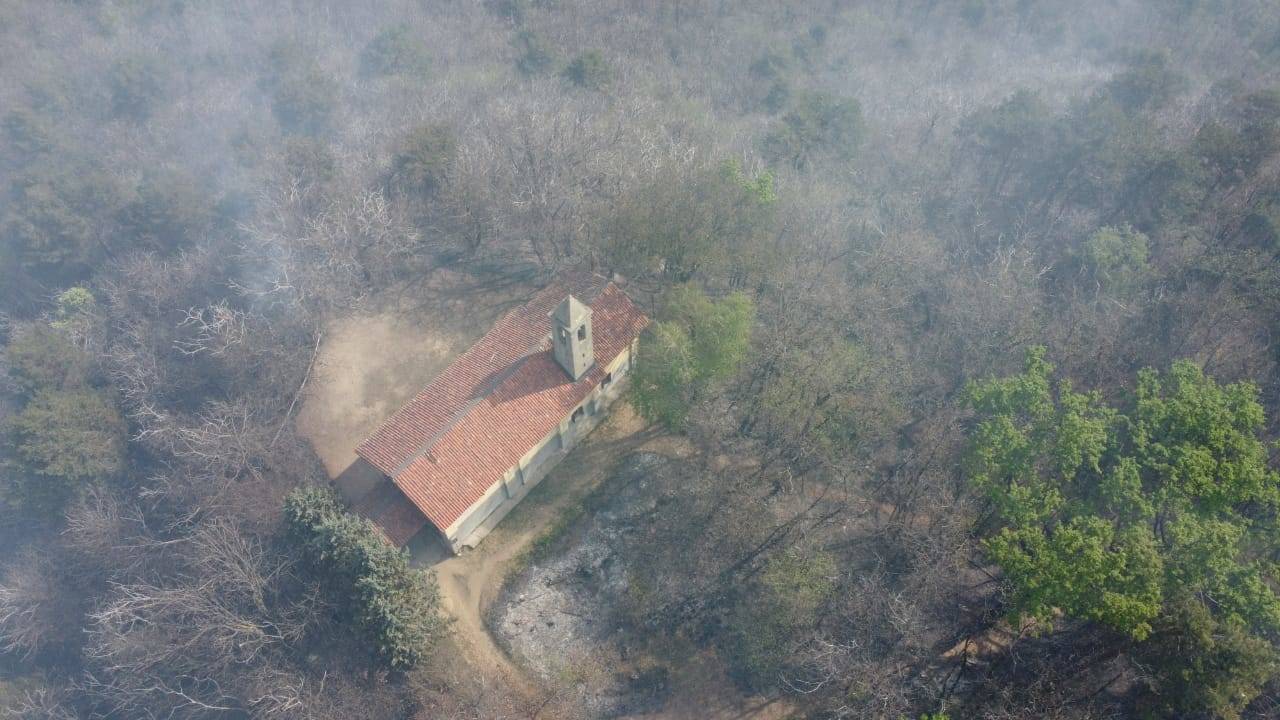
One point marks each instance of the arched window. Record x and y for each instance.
(582, 332)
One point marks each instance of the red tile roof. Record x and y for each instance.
(392, 514)
(456, 438)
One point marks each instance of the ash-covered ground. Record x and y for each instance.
(555, 617)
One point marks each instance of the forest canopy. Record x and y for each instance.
(960, 397)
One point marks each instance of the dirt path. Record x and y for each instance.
(466, 582)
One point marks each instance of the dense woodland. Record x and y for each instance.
(982, 299)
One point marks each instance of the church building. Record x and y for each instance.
(463, 452)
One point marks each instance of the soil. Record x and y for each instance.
(361, 378)
(373, 361)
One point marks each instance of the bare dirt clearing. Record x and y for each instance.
(370, 363)
(362, 377)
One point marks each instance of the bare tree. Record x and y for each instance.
(38, 606)
(203, 642)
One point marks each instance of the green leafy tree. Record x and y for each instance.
(396, 50)
(309, 161)
(590, 70)
(75, 313)
(973, 12)
(1007, 137)
(395, 606)
(1148, 83)
(1116, 259)
(1261, 227)
(1202, 663)
(27, 134)
(60, 442)
(1115, 516)
(697, 343)
(820, 124)
(771, 70)
(423, 158)
(58, 219)
(44, 358)
(1234, 147)
(514, 11)
(720, 221)
(169, 209)
(304, 102)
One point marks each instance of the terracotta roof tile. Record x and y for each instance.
(392, 513)
(448, 445)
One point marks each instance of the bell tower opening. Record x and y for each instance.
(571, 337)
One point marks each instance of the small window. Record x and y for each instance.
(582, 332)
(608, 378)
(576, 414)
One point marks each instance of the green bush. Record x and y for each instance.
(396, 607)
(43, 358)
(59, 214)
(698, 342)
(423, 158)
(59, 443)
(396, 50)
(590, 70)
(819, 124)
(1116, 259)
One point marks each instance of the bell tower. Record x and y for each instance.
(571, 337)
